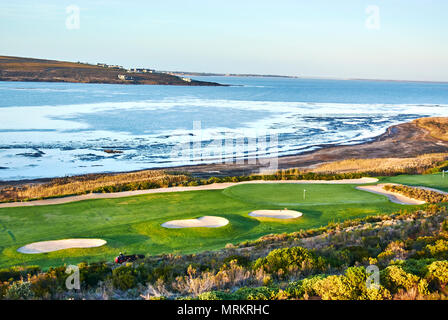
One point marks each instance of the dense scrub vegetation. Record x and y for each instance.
(418, 193)
(409, 248)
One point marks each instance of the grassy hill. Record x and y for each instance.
(29, 69)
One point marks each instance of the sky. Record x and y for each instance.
(369, 39)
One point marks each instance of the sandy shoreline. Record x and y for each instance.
(215, 186)
(403, 141)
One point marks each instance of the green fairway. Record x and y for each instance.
(437, 180)
(133, 224)
(302, 195)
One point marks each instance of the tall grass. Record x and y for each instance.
(146, 179)
(436, 126)
(387, 166)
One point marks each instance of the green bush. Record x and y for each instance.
(17, 273)
(419, 267)
(123, 278)
(439, 250)
(19, 290)
(218, 295)
(91, 274)
(290, 259)
(259, 293)
(44, 285)
(333, 288)
(240, 260)
(395, 278)
(438, 271)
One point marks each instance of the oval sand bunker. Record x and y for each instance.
(276, 214)
(55, 245)
(202, 222)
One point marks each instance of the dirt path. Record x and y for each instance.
(393, 196)
(215, 186)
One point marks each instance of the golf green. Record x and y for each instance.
(133, 224)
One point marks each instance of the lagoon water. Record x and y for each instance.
(59, 129)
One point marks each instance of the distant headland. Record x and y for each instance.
(212, 74)
(40, 70)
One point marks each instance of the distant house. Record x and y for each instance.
(125, 77)
(186, 79)
(102, 65)
(115, 67)
(140, 70)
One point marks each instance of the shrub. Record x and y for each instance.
(91, 274)
(123, 278)
(3, 289)
(240, 260)
(19, 290)
(308, 285)
(418, 267)
(217, 295)
(289, 260)
(17, 273)
(44, 285)
(395, 278)
(378, 294)
(438, 250)
(438, 271)
(295, 290)
(333, 288)
(259, 293)
(350, 286)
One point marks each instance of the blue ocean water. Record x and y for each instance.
(58, 129)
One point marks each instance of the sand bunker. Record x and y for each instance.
(202, 222)
(393, 196)
(55, 245)
(277, 214)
